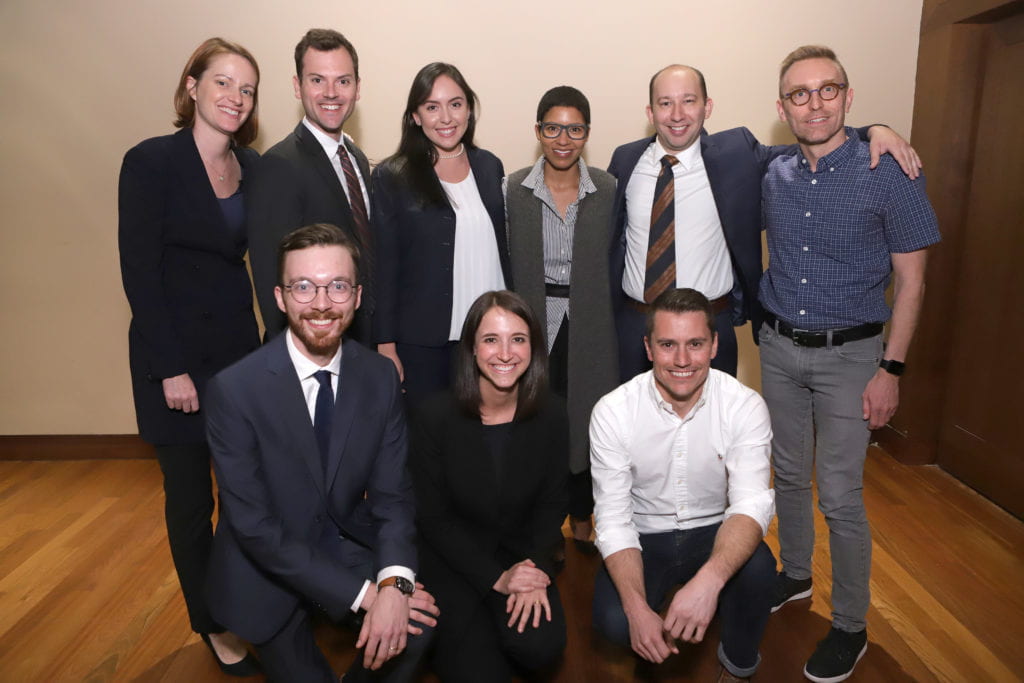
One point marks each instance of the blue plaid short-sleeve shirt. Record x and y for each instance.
(831, 234)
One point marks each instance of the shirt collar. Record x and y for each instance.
(304, 367)
(329, 144)
(666, 408)
(836, 157)
(689, 158)
(535, 180)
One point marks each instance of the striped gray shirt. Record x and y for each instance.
(558, 237)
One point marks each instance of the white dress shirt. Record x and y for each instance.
(655, 472)
(330, 146)
(702, 256)
(306, 369)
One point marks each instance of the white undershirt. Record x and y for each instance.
(702, 257)
(477, 266)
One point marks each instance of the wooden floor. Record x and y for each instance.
(88, 593)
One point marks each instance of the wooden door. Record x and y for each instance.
(964, 404)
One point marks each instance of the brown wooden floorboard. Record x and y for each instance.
(88, 591)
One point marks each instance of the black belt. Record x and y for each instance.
(817, 340)
(557, 291)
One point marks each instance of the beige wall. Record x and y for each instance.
(84, 81)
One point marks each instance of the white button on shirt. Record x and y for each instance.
(305, 369)
(655, 472)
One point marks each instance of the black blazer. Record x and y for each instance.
(293, 185)
(277, 540)
(416, 253)
(472, 525)
(185, 279)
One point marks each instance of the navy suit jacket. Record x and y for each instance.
(185, 277)
(293, 185)
(277, 542)
(735, 162)
(416, 253)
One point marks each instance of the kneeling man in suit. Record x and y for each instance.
(309, 448)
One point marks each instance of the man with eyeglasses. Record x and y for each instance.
(837, 233)
(689, 215)
(309, 447)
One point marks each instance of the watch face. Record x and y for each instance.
(405, 585)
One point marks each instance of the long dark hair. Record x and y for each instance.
(414, 161)
(534, 382)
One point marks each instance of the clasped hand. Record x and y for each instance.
(389, 620)
(526, 588)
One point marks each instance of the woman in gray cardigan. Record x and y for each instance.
(559, 216)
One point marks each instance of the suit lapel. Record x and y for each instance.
(199, 196)
(350, 390)
(318, 161)
(713, 165)
(287, 391)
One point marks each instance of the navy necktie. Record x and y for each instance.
(323, 413)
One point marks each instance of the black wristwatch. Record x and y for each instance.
(400, 582)
(893, 367)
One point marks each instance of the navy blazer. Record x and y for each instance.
(294, 185)
(735, 162)
(416, 253)
(185, 278)
(277, 541)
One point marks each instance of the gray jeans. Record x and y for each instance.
(814, 397)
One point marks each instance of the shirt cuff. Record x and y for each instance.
(359, 597)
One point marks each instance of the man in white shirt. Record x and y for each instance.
(309, 446)
(680, 462)
(316, 174)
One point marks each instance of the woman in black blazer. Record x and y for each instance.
(439, 219)
(490, 468)
(181, 233)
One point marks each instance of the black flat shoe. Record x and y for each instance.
(247, 666)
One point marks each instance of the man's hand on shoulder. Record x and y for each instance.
(647, 635)
(693, 607)
(884, 140)
(384, 627)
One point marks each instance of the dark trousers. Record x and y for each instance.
(672, 558)
(484, 648)
(428, 369)
(188, 508)
(581, 494)
(292, 655)
(631, 326)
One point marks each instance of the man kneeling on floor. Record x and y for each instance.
(680, 462)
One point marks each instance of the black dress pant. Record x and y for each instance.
(484, 648)
(188, 509)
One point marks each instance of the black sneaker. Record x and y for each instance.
(834, 658)
(787, 589)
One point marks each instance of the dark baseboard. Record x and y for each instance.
(75, 447)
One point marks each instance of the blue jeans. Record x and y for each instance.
(672, 558)
(814, 398)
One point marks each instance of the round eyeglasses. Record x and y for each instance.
(575, 131)
(802, 96)
(304, 291)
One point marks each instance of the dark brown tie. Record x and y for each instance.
(355, 197)
(661, 242)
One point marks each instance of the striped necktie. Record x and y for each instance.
(661, 244)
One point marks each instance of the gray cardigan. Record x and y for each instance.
(593, 352)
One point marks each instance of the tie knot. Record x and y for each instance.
(342, 152)
(324, 378)
(668, 161)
